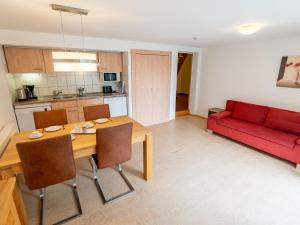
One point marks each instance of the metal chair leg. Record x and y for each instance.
(97, 183)
(42, 194)
(78, 206)
(125, 178)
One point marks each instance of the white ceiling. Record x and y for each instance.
(165, 21)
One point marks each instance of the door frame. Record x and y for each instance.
(193, 82)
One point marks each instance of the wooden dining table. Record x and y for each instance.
(83, 145)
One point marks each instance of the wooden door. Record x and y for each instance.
(161, 88)
(110, 61)
(24, 60)
(142, 89)
(151, 72)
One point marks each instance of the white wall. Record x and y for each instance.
(6, 111)
(246, 72)
(68, 83)
(10, 37)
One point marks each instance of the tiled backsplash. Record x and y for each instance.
(69, 82)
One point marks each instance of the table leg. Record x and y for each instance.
(20, 207)
(18, 199)
(147, 153)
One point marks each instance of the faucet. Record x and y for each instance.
(80, 91)
(56, 92)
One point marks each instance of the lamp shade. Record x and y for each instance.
(74, 61)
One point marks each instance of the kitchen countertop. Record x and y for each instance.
(50, 99)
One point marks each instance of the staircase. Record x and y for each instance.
(181, 59)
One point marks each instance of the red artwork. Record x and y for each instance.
(289, 74)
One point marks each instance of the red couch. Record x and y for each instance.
(272, 130)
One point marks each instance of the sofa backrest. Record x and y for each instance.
(283, 120)
(246, 111)
(280, 119)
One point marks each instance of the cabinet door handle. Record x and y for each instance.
(38, 69)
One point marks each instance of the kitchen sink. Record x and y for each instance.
(63, 97)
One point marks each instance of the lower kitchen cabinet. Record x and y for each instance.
(72, 114)
(74, 108)
(87, 102)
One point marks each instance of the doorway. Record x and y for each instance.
(184, 74)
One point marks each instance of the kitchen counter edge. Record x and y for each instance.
(49, 99)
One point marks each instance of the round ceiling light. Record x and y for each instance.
(249, 28)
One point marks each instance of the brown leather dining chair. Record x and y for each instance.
(94, 112)
(113, 147)
(45, 119)
(47, 162)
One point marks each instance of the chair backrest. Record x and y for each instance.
(50, 118)
(94, 112)
(113, 145)
(47, 162)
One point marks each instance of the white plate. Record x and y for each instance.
(35, 136)
(53, 128)
(102, 120)
(88, 125)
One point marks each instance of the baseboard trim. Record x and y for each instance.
(202, 117)
(182, 113)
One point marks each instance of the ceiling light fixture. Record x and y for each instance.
(249, 28)
(70, 61)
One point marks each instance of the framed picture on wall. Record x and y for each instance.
(289, 72)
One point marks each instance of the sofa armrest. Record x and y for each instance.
(220, 115)
(297, 141)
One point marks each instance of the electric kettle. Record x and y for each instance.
(21, 94)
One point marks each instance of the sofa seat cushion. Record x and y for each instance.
(268, 134)
(283, 120)
(250, 112)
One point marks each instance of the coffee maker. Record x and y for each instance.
(29, 90)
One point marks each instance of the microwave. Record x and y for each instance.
(111, 77)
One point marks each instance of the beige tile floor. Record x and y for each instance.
(199, 178)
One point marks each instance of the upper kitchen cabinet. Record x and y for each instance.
(24, 60)
(110, 61)
(48, 60)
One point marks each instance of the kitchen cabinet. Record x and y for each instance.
(48, 60)
(24, 60)
(36, 60)
(110, 62)
(117, 105)
(72, 114)
(74, 108)
(151, 78)
(71, 109)
(87, 102)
